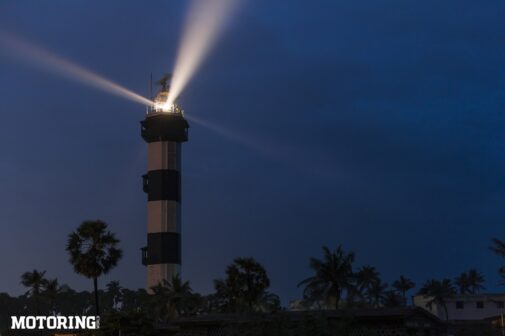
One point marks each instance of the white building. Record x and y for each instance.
(465, 307)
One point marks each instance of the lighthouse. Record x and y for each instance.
(164, 129)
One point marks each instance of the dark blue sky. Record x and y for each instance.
(372, 124)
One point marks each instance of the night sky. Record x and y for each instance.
(377, 125)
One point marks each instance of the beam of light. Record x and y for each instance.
(48, 61)
(204, 23)
(248, 142)
(321, 165)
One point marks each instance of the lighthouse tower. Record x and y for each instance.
(164, 129)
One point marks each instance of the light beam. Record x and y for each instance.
(204, 23)
(48, 61)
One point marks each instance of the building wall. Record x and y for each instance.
(464, 307)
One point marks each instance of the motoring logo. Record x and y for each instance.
(55, 322)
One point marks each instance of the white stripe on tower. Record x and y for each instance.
(163, 215)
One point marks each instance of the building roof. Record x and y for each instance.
(369, 314)
(470, 297)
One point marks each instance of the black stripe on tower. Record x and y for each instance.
(163, 248)
(164, 127)
(162, 185)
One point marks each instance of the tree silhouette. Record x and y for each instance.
(222, 300)
(247, 280)
(127, 323)
(134, 300)
(376, 293)
(93, 252)
(367, 278)
(403, 285)
(244, 288)
(332, 276)
(391, 298)
(438, 292)
(51, 291)
(114, 294)
(475, 281)
(35, 282)
(470, 282)
(462, 283)
(173, 298)
(498, 247)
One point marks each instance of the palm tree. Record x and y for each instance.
(470, 282)
(93, 252)
(498, 247)
(438, 291)
(51, 292)
(392, 298)
(461, 282)
(475, 281)
(35, 282)
(403, 285)
(173, 298)
(332, 275)
(376, 293)
(366, 278)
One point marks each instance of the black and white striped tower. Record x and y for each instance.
(164, 129)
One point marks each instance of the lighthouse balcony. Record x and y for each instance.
(144, 255)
